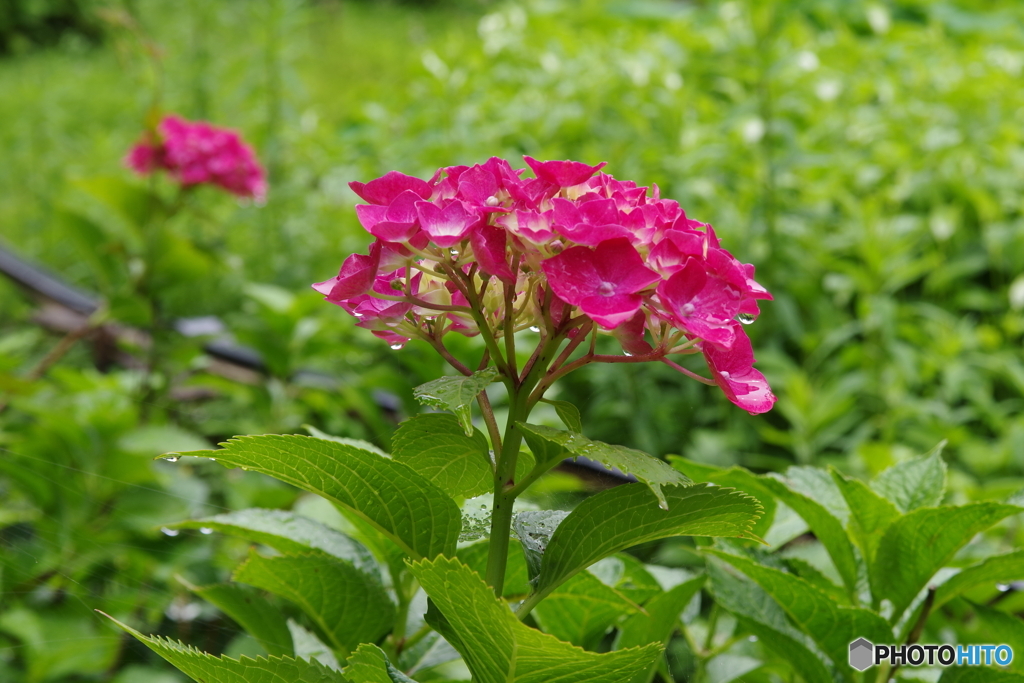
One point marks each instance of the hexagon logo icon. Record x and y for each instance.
(862, 654)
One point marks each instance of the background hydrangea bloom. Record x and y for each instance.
(568, 253)
(194, 153)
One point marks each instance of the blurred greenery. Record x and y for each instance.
(867, 157)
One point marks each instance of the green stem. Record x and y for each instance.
(504, 498)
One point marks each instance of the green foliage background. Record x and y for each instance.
(867, 157)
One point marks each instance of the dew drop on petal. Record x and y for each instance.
(724, 374)
(205, 530)
(169, 532)
(746, 318)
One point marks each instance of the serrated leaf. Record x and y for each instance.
(356, 443)
(763, 616)
(568, 414)
(205, 668)
(250, 610)
(628, 515)
(582, 610)
(436, 446)
(414, 513)
(648, 469)
(456, 394)
(818, 485)
(997, 569)
(833, 627)
(534, 529)
(736, 477)
(431, 651)
(286, 532)
(308, 646)
(659, 621)
(498, 648)
(918, 544)
(915, 483)
(348, 605)
(369, 664)
(517, 579)
(870, 517)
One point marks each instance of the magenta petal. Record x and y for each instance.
(389, 231)
(592, 235)
(355, 278)
(403, 208)
(383, 190)
(446, 226)
(631, 335)
(488, 244)
(572, 274)
(611, 311)
(733, 370)
(370, 215)
(477, 185)
(563, 173)
(618, 262)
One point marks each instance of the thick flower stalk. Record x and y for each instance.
(197, 153)
(569, 253)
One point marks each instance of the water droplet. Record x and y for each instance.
(245, 469)
(454, 252)
(687, 309)
(396, 347)
(752, 639)
(534, 328)
(169, 532)
(724, 374)
(1003, 587)
(492, 201)
(357, 314)
(626, 353)
(212, 459)
(172, 458)
(746, 318)
(205, 530)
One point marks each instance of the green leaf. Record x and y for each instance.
(736, 477)
(498, 648)
(250, 610)
(205, 668)
(436, 446)
(348, 605)
(628, 515)
(356, 443)
(568, 414)
(915, 483)
(421, 518)
(369, 664)
(833, 627)
(431, 651)
(728, 667)
(456, 394)
(582, 610)
(286, 532)
(760, 614)
(517, 579)
(1001, 628)
(657, 625)
(870, 517)
(918, 544)
(308, 646)
(648, 469)
(978, 674)
(997, 569)
(534, 529)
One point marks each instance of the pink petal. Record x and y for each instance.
(446, 226)
(618, 262)
(356, 276)
(563, 173)
(385, 189)
(370, 215)
(631, 335)
(733, 371)
(611, 311)
(592, 235)
(489, 244)
(477, 185)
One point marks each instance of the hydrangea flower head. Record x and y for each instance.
(569, 253)
(195, 153)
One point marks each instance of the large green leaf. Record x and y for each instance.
(421, 518)
(979, 674)
(999, 568)
(250, 610)
(918, 544)
(658, 622)
(567, 413)
(534, 529)
(369, 664)
(498, 648)
(735, 477)
(517, 579)
(204, 668)
(582, 610)
(628, 515)
(995, 626)
(308, 646)
(648, 469)
(436, 446)
(348, 605)
(833, 627)
(870, 517)
(761, 615)
(456, 394)
(286, 532)
(804, 492)
(915, 483)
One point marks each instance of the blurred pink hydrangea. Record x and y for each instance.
(567, 253)
(195, 152)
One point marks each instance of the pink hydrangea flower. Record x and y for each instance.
(571, 252)
(195, 153)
